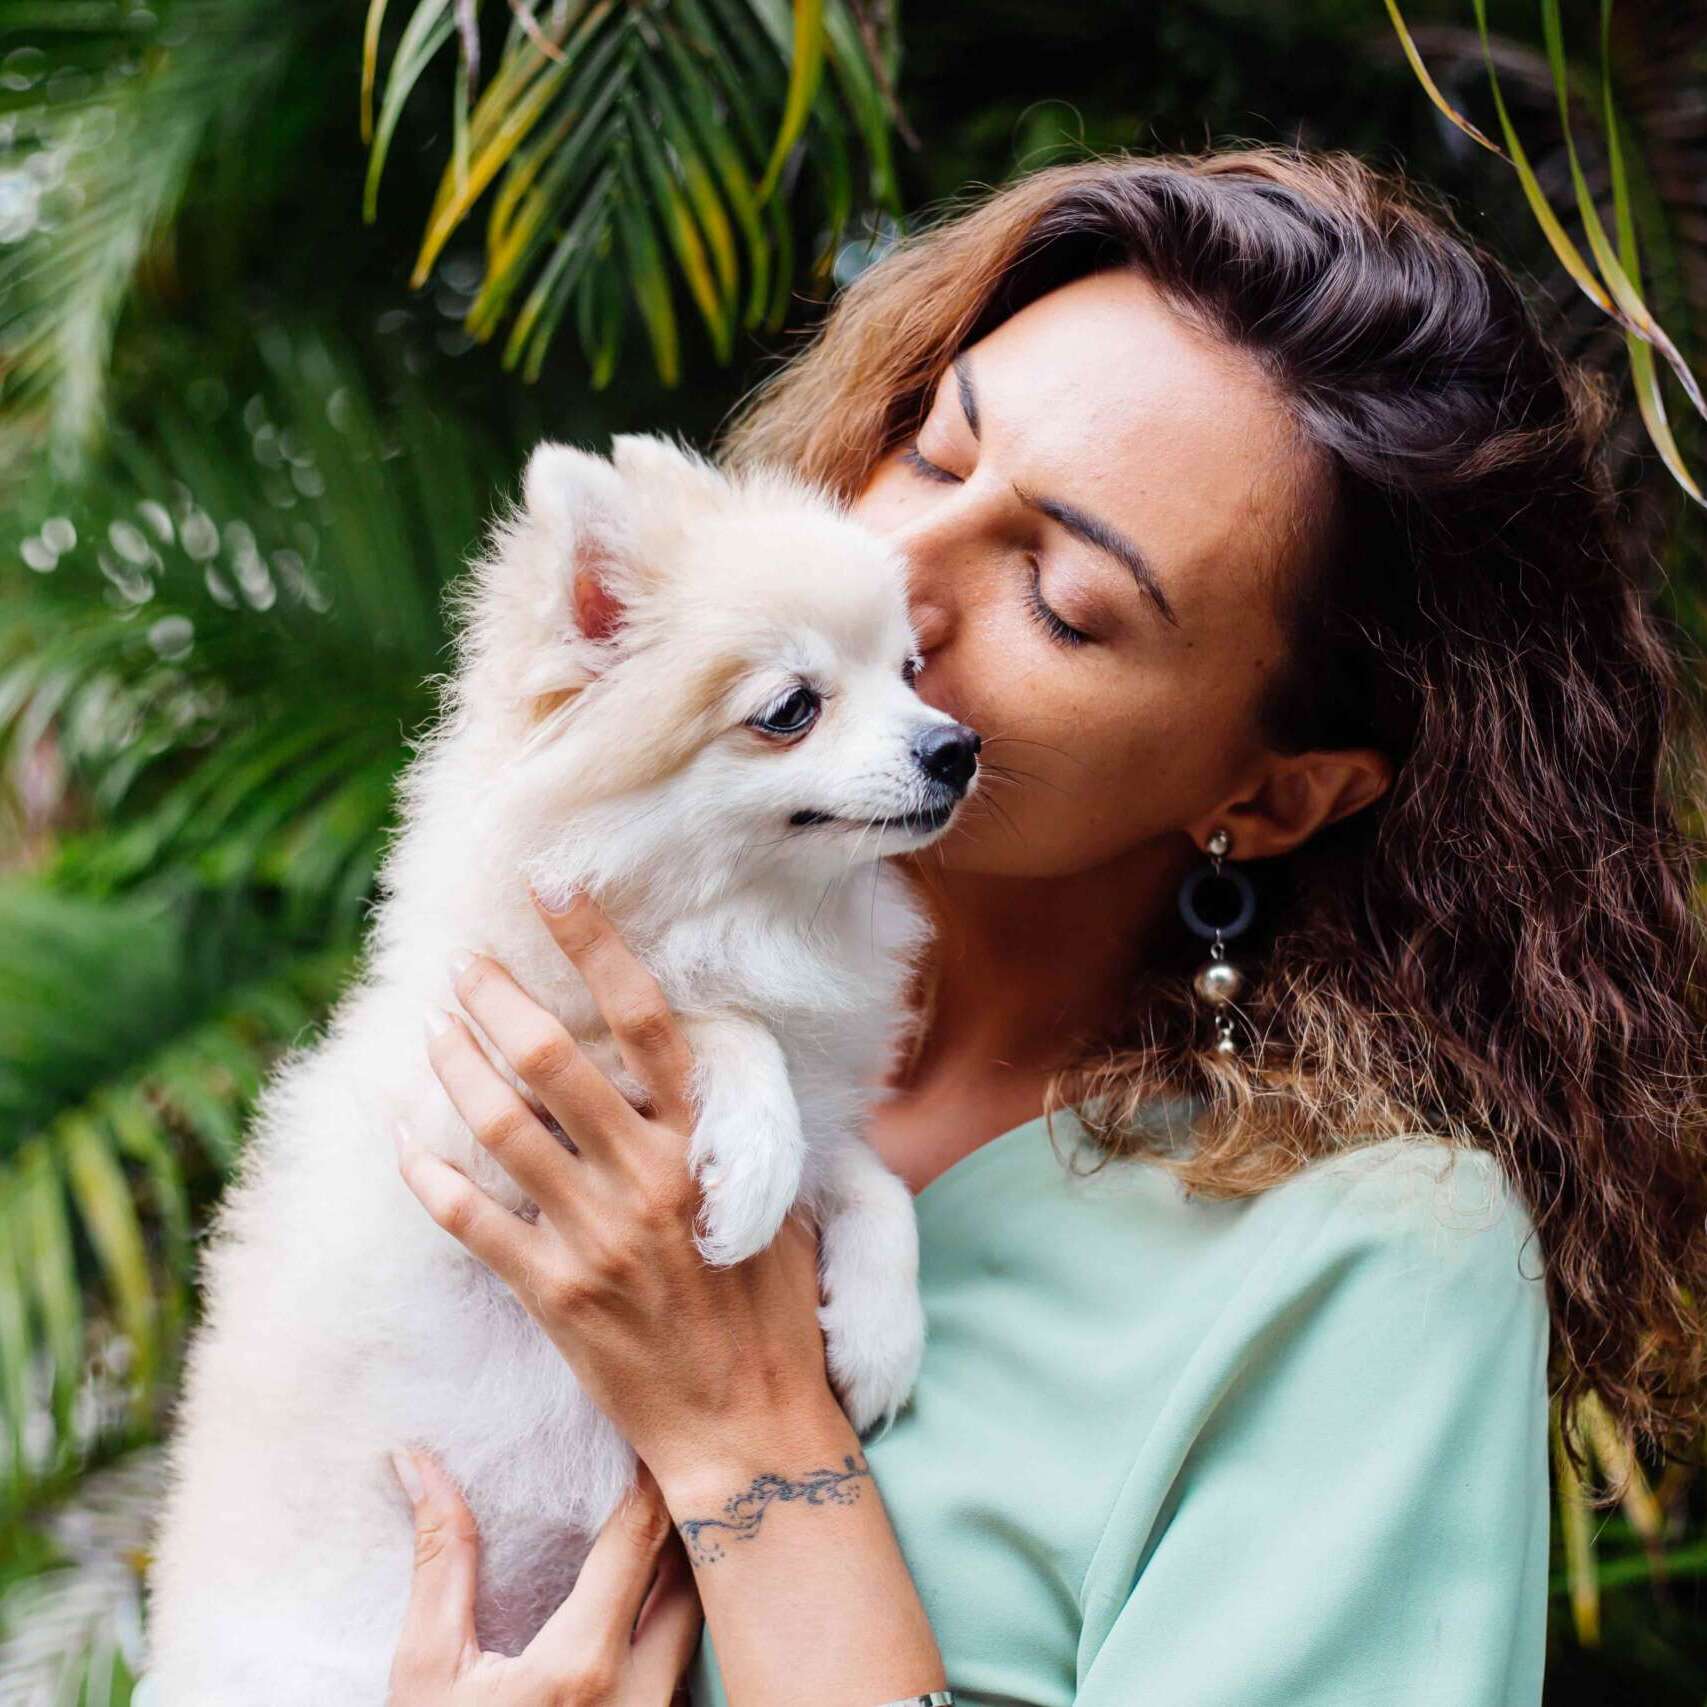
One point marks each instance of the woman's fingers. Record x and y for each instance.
(652, 1045)
(506, 1128)
(508, 1245)
(670, 1625)
(438, 1638)
(538, 1046)
(593, 1626)
(590, 1639)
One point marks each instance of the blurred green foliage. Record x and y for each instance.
(241, 457)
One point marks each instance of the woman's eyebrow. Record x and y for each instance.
(1091, 529)
(968, 398)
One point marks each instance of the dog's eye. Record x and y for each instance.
(790, 716)
(910, 669)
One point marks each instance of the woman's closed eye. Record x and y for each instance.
(1050, 621)
(910, 456)
(1061, 632)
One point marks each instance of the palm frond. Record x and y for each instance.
(225, 638)
(612, 136)
(1576, 1529)
(106, 106)
(71, 1589)
(228, 634)
(132, 1055)
(1612, 281)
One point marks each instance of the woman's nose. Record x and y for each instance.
(931, 619)
(930, 546)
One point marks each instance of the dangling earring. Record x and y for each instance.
(1218, 982)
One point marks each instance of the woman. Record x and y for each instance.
(1259, 531)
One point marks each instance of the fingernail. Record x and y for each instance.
(408, 1475)
(460, 961)
(436, 1020)
(401, 1137)
(570, 895)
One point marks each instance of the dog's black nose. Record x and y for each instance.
(948, 753)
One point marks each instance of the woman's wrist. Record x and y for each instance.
(806, 1593)
(722, 1462)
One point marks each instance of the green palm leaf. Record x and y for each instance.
(71, 1589)
(225, 636)
(661, 141)
(132, 1057)
(1619, 296)
(806, 69)
(229, 633)
(107, 105)
(1650, 401)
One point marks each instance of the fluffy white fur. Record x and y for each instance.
(622, 627)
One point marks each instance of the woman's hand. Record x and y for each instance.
(583, 1653)
(716, 1376)
(689, 1362)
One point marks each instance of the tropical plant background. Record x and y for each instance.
(285, 293)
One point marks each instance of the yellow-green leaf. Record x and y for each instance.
(806, 69)
(566, 178)
(1579, 1541)
(1432, 89)
(428, 29)
(108, 1211)
(684, 238)
(14, 1326)
(696, 178)
(497, 129)
(1643, 374)
(52, 1271)
(370, 63)
(1634, 315)
(732, 174)
(650, 281)
(556, 284)
(1563, 247)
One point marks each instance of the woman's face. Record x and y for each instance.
(1093, 515)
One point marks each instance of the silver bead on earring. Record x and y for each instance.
(1219, 982)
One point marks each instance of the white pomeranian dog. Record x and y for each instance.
(687, 693)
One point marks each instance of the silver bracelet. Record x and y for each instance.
(936, 1698)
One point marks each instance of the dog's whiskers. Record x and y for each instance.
(821, 900)
(871, 912)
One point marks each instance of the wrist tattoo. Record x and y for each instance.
(743, 1514)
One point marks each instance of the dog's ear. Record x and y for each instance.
(566, 487)
(664, 468)
(586, 507)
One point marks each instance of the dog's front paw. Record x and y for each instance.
(873, 1354)
(748, 1189)
(747, 1151)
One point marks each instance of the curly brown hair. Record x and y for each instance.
(1503, 950)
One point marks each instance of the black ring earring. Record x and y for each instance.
(1219, 982)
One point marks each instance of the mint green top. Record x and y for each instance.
(1285, 1451)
